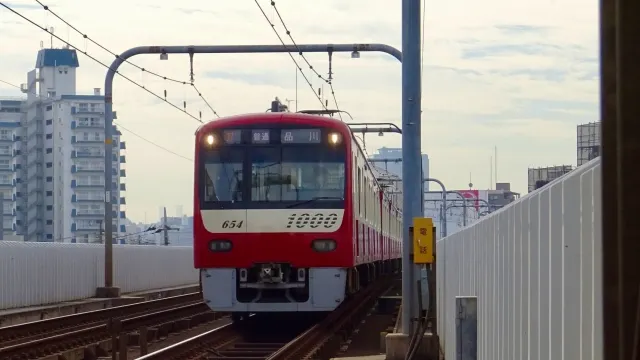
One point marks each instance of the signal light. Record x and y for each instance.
(323, 245)
(220, 245)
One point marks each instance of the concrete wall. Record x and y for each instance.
(536, 270)
(43, 273)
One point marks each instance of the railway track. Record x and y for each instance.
(266, 337)
(15, 334)
(95, 329)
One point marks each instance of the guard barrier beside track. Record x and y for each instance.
(535, 269)
(46, 273)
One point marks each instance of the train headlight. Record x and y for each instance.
(210, 139)
(334, 138)
(323, 245)
(220, 245)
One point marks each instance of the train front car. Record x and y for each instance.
(270, 229)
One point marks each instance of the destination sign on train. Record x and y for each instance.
(301, 136)
(232, 136)
(260, 136)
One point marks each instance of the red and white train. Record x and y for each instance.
(288, 214)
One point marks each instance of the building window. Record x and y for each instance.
(49, 222)
(49, 193)
(49, 207)
(49, 107)
(5, 135)
(49, 164)
(49, 178)
(49, 121)
(49, 150)
(49, 136)
(49, 236)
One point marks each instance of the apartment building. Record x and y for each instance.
(11, 118)
(58, 157)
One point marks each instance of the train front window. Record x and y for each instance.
(297, 173)
(223, 175)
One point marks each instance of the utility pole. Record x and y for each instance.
(100, 233)
(165, 228)
(411, 134)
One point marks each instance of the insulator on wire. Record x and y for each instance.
(185, 105)
(165, 94)
(201, 115)
(319, 91)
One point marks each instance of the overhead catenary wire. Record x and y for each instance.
(10, 84)
(328, 80)
(129, 131)
(273, 27)
(127, 78)
(153, 143)
(99, 62)
(144, 70)
(121, 237)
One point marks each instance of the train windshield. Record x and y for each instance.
(292, 174)
(247, 171)
(223, 175)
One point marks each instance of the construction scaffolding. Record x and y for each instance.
(588, 142)
(539, 177)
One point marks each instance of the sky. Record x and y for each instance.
(513, 75)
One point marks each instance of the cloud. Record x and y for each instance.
(254, 78)
(515, 75)
(515, 29)
(23, 6)
(506, 50)
(550, 74)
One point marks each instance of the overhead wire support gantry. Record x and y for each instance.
(109, 290)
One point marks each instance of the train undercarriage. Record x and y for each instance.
(279, 287)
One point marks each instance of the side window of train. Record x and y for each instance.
(365, 183)
(373, 203)
(376, 205)
(368, 200)
(359, 195)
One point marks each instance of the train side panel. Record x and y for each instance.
(376, 225)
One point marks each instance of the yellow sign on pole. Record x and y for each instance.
(423, 240)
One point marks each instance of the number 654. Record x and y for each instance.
(232, 224)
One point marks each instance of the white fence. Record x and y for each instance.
(535, 269)
(44, 273)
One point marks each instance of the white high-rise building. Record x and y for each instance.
(11, 119)
(58, 157)
(394, 162)
(390, 160)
